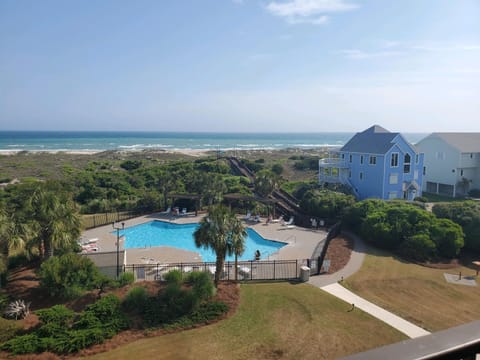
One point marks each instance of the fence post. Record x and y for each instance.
(94, 221)
(296, 268)
(274, 270)
(251, 270)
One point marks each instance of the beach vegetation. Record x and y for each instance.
(266, 181)
(326, 204)
(69, 275)
(467, 215)
(406, 229)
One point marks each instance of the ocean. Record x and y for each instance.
(11, 141)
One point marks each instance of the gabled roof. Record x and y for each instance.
(374, 140)
(465, 142)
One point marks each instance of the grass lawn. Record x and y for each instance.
(416, 293)
(278, 320)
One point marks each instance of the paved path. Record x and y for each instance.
(329, 283)
(393, 320)
(353, 265)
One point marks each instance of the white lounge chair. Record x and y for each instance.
(257, 218)
(244, 271)
(280, 219)
(289, 222)
(184, 212)
(248, 216)
(168, 211)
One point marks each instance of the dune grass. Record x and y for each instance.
(278, 320)
(417, 293)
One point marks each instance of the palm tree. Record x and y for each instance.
(222, 232)
(238, 235)
(11, 237)
(55, 221)
(266, 182)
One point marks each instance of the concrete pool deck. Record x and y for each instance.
(301, 242)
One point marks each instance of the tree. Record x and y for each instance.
(12, 236)
(266, 182)
(56, 223)
(222, 232)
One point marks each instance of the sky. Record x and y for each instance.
(240, 65)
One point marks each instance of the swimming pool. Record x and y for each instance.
(160, 233)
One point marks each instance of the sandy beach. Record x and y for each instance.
(189, 152)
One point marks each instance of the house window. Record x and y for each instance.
(361, 175)
(361, 159)
(373, 160)
(424, 170)
(416, 158)
(406, 163)
(440, 155)
(471, 155)
(392, 195)
(461, 172)
(393, 179)
(394, 160)
(415, 175)
(350, 158)
(343, 156)
(350, 174)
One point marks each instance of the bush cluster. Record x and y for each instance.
(326, 204)
(467, 215)
(69, 275)
(405, 228)
(183, 300)
(63, 331)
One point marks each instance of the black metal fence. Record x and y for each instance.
(247, 270)
(94, 220)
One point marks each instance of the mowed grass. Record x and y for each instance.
(417, 293)
(278, 320)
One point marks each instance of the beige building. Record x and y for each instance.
(451, 163)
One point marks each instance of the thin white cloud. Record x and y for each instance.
(308, 11)
(238, 1)
(443, 47)
(360, 54)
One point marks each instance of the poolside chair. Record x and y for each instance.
(244, 271)
(289, 222)
(257, 218)
(280, 219)
(168, 211)
(184, 212)
(248, 216)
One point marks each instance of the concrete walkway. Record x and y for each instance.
(329, 283)
(409, 329)
(353, 265)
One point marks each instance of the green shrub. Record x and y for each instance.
(202, 285)
(326, 204)
(421, 199)
(8, 329)
(277, 169)
(56, 314)
(126, 278)
(4, 301)
(24, 344)
(69, 275)
(418, 247)
(136, 299)
(174, 277)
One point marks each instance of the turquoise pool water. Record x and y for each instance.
(160, 233)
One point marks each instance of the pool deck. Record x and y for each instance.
(301, 241)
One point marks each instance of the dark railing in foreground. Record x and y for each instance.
(247, 270)
(461, 342)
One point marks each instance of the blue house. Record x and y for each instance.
(376, 163)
